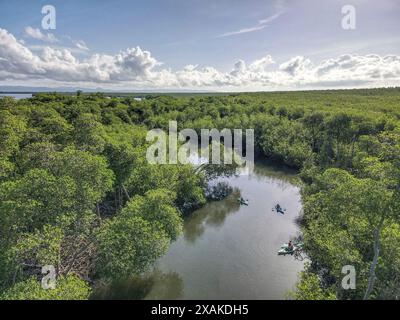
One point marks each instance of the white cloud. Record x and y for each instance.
(271, 18)
(241, 31)
(137, 68)
(261, 23)
(72, 49)
(295, 66)
(239, 68)
(62, 65)
(81, 45)
(35, 33)
(260, 65)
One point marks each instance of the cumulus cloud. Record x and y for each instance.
(35, 33)
(262, 64)
(295, 66)
(62, 65)
(239, 68)
(135, 67)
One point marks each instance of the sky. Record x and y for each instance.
(216, 45)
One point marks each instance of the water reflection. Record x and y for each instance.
(212, 214)
(155, 285)
(166, 286)
(282, 176)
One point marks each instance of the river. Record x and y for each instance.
(228, 251)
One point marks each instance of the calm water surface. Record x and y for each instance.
(228, 251)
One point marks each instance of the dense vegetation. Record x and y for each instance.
(77, 192)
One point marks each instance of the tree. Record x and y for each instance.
(339, 129)
(314, 123)
(34, 200)
(344, 223)
(67, 288)
(90, 173)
(157, 207)
(12, 129)
(128, 245)
(308, 287)
(89, 134)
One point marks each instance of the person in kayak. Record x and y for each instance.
(290, 245)
(278, 208)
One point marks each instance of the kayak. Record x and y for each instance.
(285, 251)
(243, 202)
(279, 210)
(285, 248)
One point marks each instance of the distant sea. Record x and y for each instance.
(16, 95)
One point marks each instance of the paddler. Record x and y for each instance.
(290, 245)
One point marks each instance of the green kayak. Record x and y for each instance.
(284, 250)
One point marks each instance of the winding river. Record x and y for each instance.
(228, 251)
